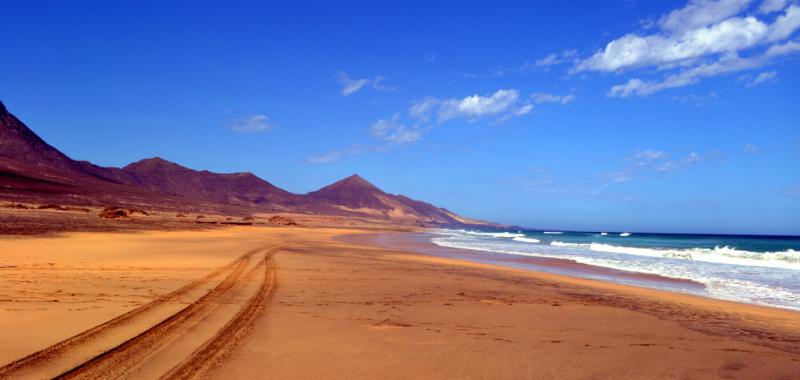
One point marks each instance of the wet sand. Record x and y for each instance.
(294, 302)
(420, 242)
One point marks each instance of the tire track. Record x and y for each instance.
(38, 363)
(221, 345)
(122, 359)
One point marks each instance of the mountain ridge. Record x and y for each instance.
(30, 167)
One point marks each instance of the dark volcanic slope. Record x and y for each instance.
(161, 176)
(356, 194)
(33, 171)
(352, 192)
(19, 143)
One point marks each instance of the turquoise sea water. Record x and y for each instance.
(762, 270)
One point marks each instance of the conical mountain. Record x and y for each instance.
(352, 192)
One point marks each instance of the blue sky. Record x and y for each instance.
(620, 115)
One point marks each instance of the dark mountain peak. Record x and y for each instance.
(352, 183)
(151, 163)
(352, 192)
(19, 143)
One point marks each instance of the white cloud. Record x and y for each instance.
(251, 124)
(543, 97)
(699, 13)
(785, 24)
(633, 51)
(524, 110)
(349, 85)
(703, 39)
(550, 60)
(750, 148)
(422, 109)
(668, 166)
(764, 77)
(769, 6)
(352, 85)
(649, 155)
(394, 132)
(500, 104)
(648, 163)
(726, 64)
(476, 106)
(389, 133)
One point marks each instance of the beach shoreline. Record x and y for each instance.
(345, 309)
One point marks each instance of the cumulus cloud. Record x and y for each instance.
(698, 13)
(477, 106)
(394, 132)
(251, 124)
(543, 97)
(352, 85)
(769, 6)
(785, 24)
(500, 104)
(704, 38)
(726, 64)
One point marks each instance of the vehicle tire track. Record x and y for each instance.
(120, 360)
(221, 345)
(44, 357)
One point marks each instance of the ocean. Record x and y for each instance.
(763, 270)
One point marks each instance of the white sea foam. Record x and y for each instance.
(788, 259)
(492, 234)
(526, 240)
(553, 232)
(624, 234)
(604, 234)
(719, 283)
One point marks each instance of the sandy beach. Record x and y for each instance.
(291, 302)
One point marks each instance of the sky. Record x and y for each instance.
(659, 116)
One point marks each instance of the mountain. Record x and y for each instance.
(19, 143)
(165, 177)
(355, 194)
(33, 171)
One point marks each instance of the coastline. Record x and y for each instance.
(724, 275)
(419, 242)
(476, 259)
(344, 309)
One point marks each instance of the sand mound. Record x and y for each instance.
(114, 213)
(282, 220)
